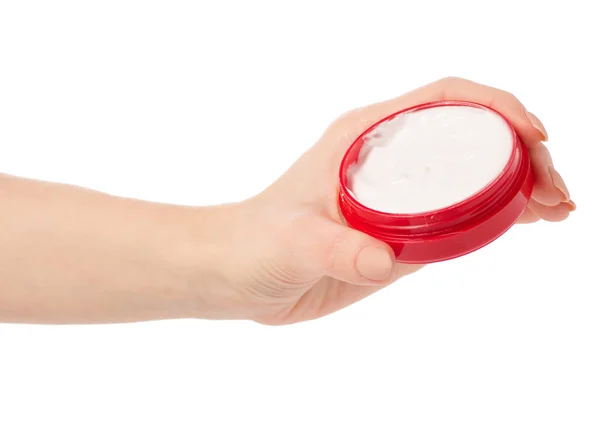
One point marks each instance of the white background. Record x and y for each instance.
(202, 102)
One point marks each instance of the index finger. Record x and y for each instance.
(453, 88)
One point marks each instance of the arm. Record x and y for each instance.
(70, 255)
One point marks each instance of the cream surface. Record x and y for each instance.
(430, 159)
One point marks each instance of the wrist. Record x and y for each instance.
(207, 258)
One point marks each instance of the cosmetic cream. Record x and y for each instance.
(430, 159)
(436, 181)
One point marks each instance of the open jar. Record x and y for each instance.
(436, 181)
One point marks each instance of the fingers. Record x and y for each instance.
(537, 124)
(549, 188)
(550, 199)
(528, 216)
(354, 257)
(536, 211)
(350, 125)
(504, 102)
(555, 213)
(453, 88)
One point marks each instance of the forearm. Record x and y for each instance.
(70, 255)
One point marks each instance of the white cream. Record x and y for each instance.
(430, 159)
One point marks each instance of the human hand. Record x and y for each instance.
(305, 263)
(72, 255)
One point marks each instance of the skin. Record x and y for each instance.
(71, 255)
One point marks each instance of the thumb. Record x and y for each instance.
(355, 257)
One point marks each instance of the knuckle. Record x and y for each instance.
(450, 80)
(511, 100)
(347, 117)
(332, 245)
(507, 96)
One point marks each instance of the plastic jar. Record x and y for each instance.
(452, 231)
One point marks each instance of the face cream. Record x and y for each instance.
(430, 159)
(436, 181)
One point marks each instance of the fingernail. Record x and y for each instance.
(374, 263)
(572, 206)
(537, 124)
(559, 183)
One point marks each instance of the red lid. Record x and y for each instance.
(452, 231)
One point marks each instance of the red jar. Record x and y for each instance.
(452, 231)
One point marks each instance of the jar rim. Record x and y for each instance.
(345, 164)
(452, 219)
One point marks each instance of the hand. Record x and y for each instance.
(71, 255)
(298, 261)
